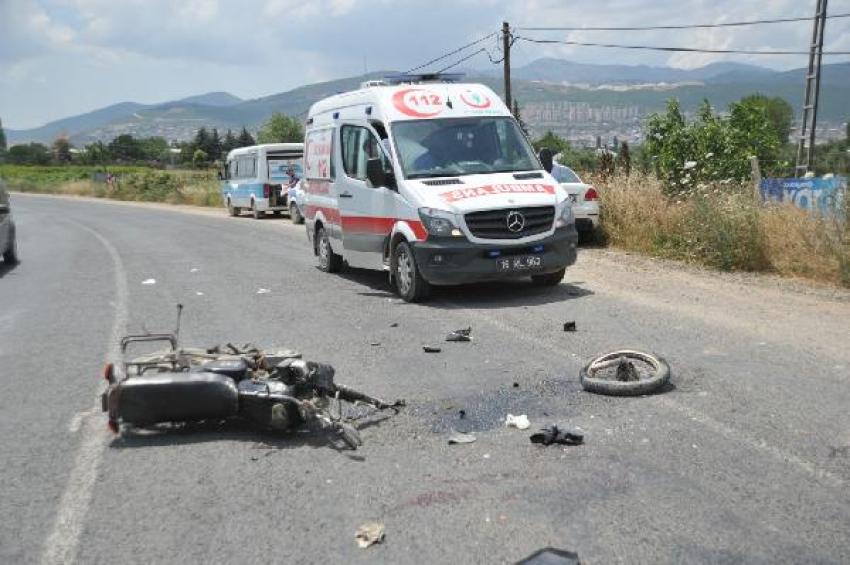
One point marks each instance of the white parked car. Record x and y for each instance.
(585, 200)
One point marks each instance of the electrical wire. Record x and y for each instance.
(675, 49)
(466, 58)
(453, 52)
(684, 26)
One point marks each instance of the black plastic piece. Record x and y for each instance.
(551, 556)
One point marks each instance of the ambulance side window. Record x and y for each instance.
(358, 146)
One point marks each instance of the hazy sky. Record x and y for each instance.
(63, 57)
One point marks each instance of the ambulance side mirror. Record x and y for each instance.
(375, 173)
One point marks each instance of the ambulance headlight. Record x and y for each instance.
(566, 217)
(440, 223)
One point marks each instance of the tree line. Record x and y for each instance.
(204, 149)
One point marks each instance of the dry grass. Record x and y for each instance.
(724, 227)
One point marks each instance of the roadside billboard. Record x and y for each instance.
(824, 194)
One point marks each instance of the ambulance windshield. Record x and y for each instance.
(462, 146)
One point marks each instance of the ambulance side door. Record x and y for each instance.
(367, 212)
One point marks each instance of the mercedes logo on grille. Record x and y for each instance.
(515, 221)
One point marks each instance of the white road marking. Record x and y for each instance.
(61, 544)
(726, 431)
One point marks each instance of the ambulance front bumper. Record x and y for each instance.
(448, 261)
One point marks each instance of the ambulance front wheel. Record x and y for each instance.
(329, 261)
(408, 280)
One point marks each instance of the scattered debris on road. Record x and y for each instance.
(431, 349)
(516, 385)
(394, 325)
(194, 270)
(553, 434)
(569, 326)
(199, 293)
(460, 437)
(375, 343)
(551, 556)
(460, 335)
(369, 534)
(263, 291)
(519, 422)
(461, 414)
(149, 281)
(617, 374)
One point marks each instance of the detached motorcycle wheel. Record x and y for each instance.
(591, 383)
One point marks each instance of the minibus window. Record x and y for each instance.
(462, 146)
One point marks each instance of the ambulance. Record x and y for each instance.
(434, 182)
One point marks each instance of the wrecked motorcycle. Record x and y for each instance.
(273, 389)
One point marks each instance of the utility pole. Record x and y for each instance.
(805, 154)
(506, 48)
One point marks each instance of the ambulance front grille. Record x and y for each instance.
(493, 224)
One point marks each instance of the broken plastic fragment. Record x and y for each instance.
(569, 326)
(430, 349)
(552, 434)
(194, 270)
(199, 293)
(460, 437)
(369, 534)
(551, 556)
(263, 291)
(149, 281)
(460, 335)
(519, 422)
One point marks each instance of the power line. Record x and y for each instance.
(466, 58)
(453, 52)
(682, 26)
(676, 49)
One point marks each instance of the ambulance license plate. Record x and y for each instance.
(519, 263)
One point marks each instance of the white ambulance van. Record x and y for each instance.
(433, 182)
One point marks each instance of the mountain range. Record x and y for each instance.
(574, 99)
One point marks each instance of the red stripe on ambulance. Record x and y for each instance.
(492, 189)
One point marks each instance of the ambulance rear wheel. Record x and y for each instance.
(408, 280)
(329, 261)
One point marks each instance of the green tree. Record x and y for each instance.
(201, 140)
(710, 148)
(281, 129)
(154, 149)
(3, 141)
(32, 154)
(552, 141)
(62, 150)
(125, 147)
(777, 111)
(213, 149)
(245, 139)
(624, 159)
(846, 131)
(583, 160)
(199, 157)
(228, 143)
(96, 153)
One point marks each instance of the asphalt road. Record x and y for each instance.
(745, 459)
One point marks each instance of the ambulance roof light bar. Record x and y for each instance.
(416, 78)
